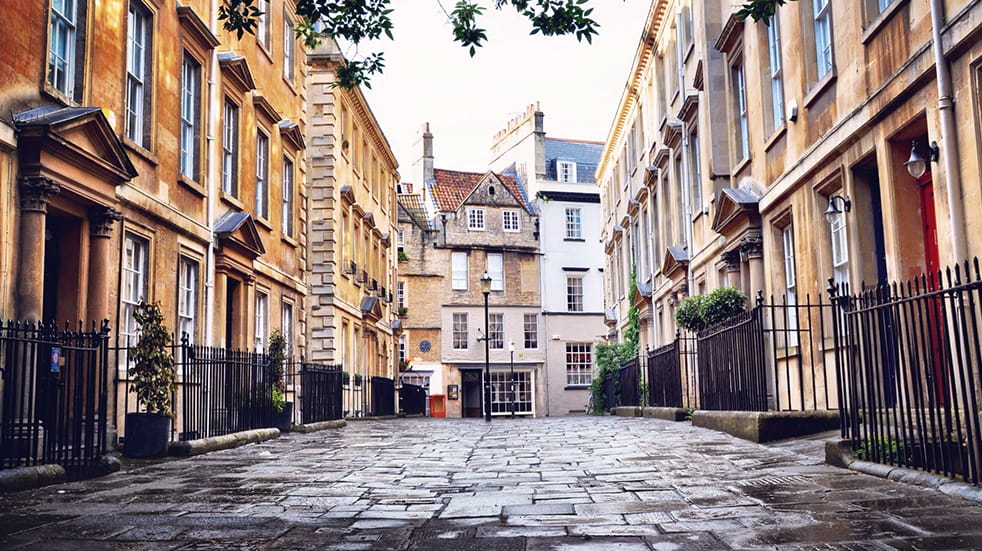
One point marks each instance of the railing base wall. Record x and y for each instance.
(766, 426)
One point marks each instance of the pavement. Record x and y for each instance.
(574, 484)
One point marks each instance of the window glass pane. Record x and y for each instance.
(230, 149)
(458, 268)
(262, 175)
(262, 310)
(496, 331)
(135, 287)
(190, 98)
(531, 331)
(460, 331)
(187, 304)
(287, 223)
(496, 271)
(511, 391)
(579, 364)
(574, 228)
(574, 294)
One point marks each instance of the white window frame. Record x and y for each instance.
(776, 72)
(289, 48)
(403, 348)
(139, 56)
(579, 364)
(262, 24)
(230, 148)
(401, 297)
(496, 331)
(262, 321)
(135, 284)
(574, 223)
(509, 221)
(190, 116)
(62, 39)
(286, 324)
(475, 219)
(840, 249)
(566, 171)
(502, 397)
(458, 271)
(822, 10)
(531, 331)
(740, 107)
(262, 175)
(574, 293)
(790, 284)
(459, 331)
(187, 300)
(695, 171)
(496, 269)
(286, 225)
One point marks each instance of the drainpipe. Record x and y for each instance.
(949, 137)
(213, 169)
(686, 169)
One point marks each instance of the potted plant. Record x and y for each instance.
(403, 311)
(282, 410)
(357, 378)
(152, 372)
(403, 257)
(344, 145)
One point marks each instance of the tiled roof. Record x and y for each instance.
(412, 205)
(585, 154)
(450, 187)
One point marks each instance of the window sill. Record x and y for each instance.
(575, 239)
(289, 241)
(880, 21)
(140, 151)
(265, 49)
(776, 136)
(741, 166)
(260, 221)
(191, 185)
(819, 88)
(232, 201)
(576, 387)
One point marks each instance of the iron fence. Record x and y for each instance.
(610, 390)
(412, 399)
(665, 375)
(320, 392)
(629, 383)
(908, 357)
(732, 369)
(55, 393)
(382, 396)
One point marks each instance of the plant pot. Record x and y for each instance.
(146, 435)
(284, 419)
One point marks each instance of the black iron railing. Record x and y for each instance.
(610, 390)
(412, 399)
(665, 375)
(732, 368)
(908, 357)
(382, 396)
(320, 393)
(55, 396)
(629, 383)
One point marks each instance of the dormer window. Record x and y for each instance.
(475, 219)
(565, 171)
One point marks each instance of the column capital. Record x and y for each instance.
(36, 192)
(103, 219)
(732, 260)
(752, 244)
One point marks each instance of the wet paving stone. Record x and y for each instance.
(574, 484)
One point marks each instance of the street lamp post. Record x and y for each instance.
(511, 353)
(486, 289)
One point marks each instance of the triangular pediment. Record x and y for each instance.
(238, 231)
(290, 131)
(235, 69)
(735, 208)
(80, 136)
(371, 308)
(676, 259)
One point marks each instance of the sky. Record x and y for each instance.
(429, 78)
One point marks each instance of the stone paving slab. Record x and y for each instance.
(576, 484)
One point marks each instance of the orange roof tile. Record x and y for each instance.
(452, 187)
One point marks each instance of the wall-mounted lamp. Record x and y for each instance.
(917, 164)
(834, 211)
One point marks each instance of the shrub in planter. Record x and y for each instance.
(282, 410)
(153, 381)
(688, 314)
(722, 304)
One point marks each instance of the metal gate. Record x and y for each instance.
(54, 396)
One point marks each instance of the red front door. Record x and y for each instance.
(929, 224)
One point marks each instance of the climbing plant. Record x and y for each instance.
(610, 356)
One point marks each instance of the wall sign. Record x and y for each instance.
(424, 346)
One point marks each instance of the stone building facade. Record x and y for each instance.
(148, 154)
(457, 226)
(353, 180)
(558, 175)
(733, 139)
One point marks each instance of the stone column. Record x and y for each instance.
(101, 220)
(221, 292)
(732, 260)
(752, 245)
(35, 193)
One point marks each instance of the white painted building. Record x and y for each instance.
(558, 175)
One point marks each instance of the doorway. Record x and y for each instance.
(470, 383)
(62, 263)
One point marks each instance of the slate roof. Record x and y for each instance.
(586, 155)
(51, 114)
(451, 187)
(412, 205)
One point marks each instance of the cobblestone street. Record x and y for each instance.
(575, 483)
